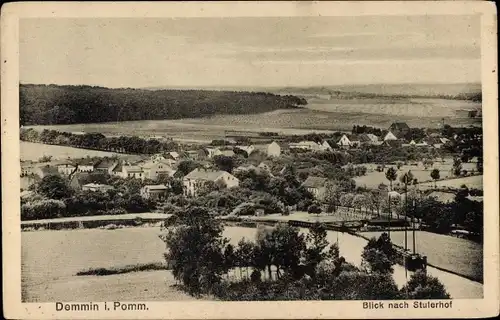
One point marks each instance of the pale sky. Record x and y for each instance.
(290, 51)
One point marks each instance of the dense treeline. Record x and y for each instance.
(98, 141)
(52, 104)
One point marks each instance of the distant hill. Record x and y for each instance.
(53, 104)
(464, 91)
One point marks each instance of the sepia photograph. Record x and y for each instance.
(301, 157)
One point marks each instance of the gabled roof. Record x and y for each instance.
(314, 182)
(444, 197)
(205, 174)
(174, 154)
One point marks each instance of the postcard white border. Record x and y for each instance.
(13, 308)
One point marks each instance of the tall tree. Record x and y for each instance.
(435, 176)
(391, 175)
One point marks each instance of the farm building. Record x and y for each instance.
(154, 170)
(106, 165)
(154, 192)
(86, 165)
(197, 179)
(316, 186)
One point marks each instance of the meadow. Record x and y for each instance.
(34, 151)
(318, 116)
(455, 254)
(373, 178)
(51, 260)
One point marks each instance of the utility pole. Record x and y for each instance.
(413, 224)
(390, 216)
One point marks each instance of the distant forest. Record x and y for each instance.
(470, 92)
(53, 104)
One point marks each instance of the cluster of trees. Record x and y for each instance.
(54, 198)
(305, 267)
(125, 144)
(53, 104)
(366, 129)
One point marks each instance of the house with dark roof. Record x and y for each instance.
(194, 181)
(399, 128)
(316, 186)
(86, 165)
(106, 165)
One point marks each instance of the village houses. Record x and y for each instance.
(349, 141)
(194, 181)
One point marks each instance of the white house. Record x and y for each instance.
(153, 170)
(316, 186)
(132, 172)
(66, 168)
(154, 192)
(96, 187)
(197, 179)
(350, 141)
(390, 136)
(273, 149)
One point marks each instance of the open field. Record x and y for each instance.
(455, 254)
(34, 151)
(426, 108)
(373, 178)
(318, 116)
(51, 259)
(475, 182)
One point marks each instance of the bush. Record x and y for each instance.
(314, 209)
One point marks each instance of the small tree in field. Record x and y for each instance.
(435, 176)
(391, 175)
